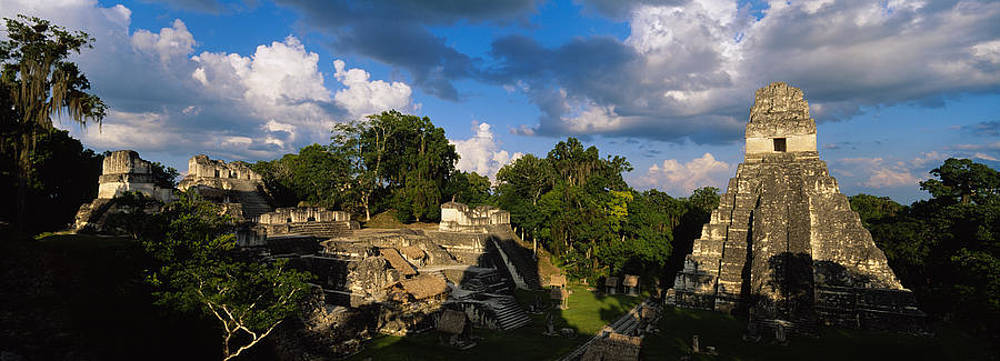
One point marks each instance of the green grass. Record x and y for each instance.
(587, 314)
(724, 332)
(589, 311)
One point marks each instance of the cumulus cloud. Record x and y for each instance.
(170, 43)
(362, 97)
(168, 100)
(397, 33)
(688, 69)
(681, 179)
(482, 153)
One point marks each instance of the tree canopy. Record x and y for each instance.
(38, 83)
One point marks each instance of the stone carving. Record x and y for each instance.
(234, 185)
(458, 217)
(784, 246)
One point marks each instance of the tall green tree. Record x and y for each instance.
(964, 181)
(402, 160)
(946, 249)
(315, 175)
(469, 188)
(37, 83)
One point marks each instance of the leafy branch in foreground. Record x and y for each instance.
(200, 269)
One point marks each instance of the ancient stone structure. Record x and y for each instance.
(122, 171)
(306, 221)
(458, 217)
(404, 277)
(614, 347)
(784, 247)
(234, 185)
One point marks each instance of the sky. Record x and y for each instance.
(896, 87)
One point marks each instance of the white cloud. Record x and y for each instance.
(362, 97)
(878, 173)
(170, 43)
(689, 70)
(682, 178)
(166, 100)
(482, 153)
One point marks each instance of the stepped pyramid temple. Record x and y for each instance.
(784, 247)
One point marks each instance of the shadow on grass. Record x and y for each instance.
(588, 313)
(724, 332)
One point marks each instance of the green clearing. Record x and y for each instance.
(588, 312)
(724, 332)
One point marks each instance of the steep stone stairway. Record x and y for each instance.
(509, 314)
(524, 265)
(252, 202)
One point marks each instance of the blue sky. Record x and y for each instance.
(895, 86)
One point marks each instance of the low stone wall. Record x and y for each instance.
(458, 217)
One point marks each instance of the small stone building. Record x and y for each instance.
(458, 217)
(611, 285)
(631, 284)
(784, 246)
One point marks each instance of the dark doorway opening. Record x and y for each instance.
(779, 144)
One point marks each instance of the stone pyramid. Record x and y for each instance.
(784, 247)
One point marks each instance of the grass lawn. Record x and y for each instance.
(587, 313)
(724, 332)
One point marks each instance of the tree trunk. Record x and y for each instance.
(23, 175)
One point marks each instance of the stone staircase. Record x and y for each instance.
(626, 325)
(524, 265)
(509, 314)
(253, 203)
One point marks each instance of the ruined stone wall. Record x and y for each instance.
(303, 214)
(784, 243)
(458, 217)
(234, 185)
(124, 171)
(203, 167)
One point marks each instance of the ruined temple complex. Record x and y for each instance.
(784, 247)
(234, 185)
(122, 171)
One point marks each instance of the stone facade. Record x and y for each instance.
(458, 217)
(234, 185)
(123, 171)
(784, 246)
(310, 221)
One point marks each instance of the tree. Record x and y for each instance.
(399, 159)
(469, 188)
(64, 176)
(946, 249)
(37, 83)
(964, 181)
(315, 175)
(200, 268)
